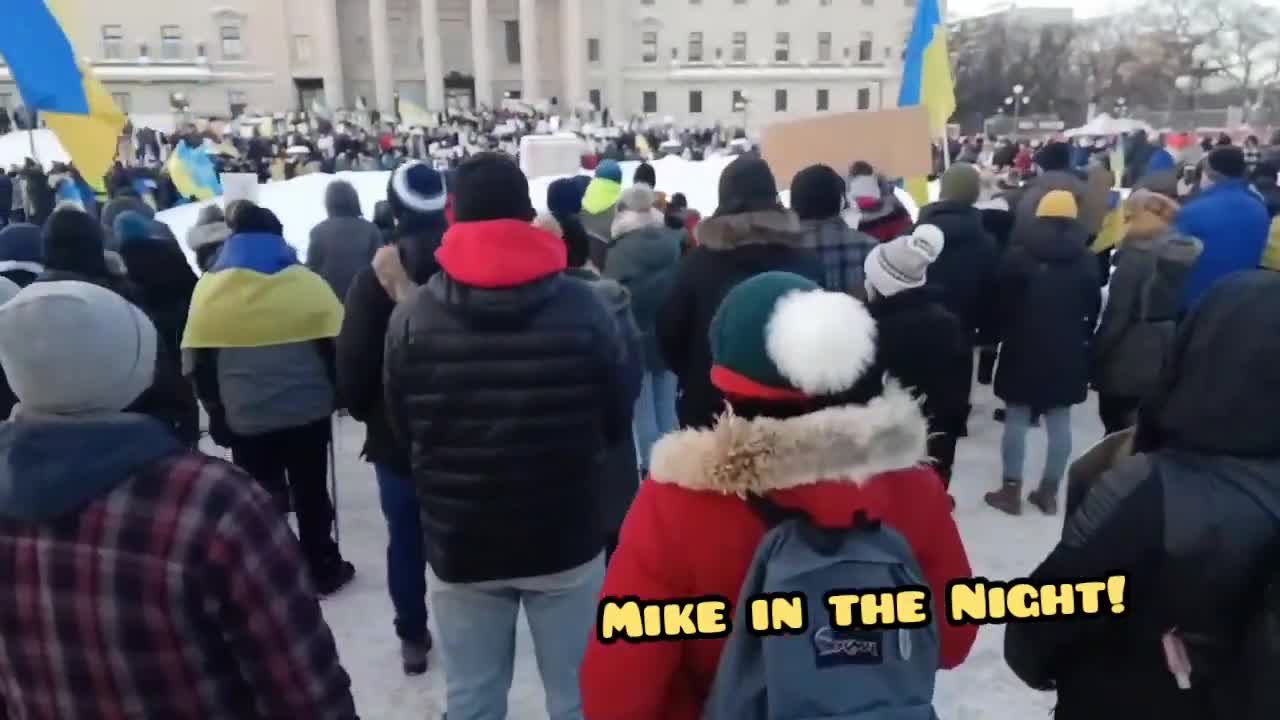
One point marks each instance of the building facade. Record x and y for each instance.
(697, 61)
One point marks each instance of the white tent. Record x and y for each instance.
(1105, 125)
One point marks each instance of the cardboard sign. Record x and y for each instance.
(896, 143)
(239, 186)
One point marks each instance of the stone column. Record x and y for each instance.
(575, 82)
(530, 52)
(379, 38)
(615, 48)
(432, 54)
(481, 58)
(330, 46)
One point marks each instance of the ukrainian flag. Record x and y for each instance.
(258, 294)
(927, 79)
(193, 173)
(50, 79)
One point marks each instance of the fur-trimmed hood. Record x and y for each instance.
(850, 443)
(764, 227)
(204, 235)
(627, 221)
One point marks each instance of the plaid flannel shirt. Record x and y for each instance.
(181, 593)
(843, 251)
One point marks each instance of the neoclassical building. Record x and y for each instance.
(694, 60)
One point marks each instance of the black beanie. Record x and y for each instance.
(257, 219)
(73, 242)
(646, 174)
(1056, 156)
(747, 185)
(817, 193)
(1228, 161)
(490, 186)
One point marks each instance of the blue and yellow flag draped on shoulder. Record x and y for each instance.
(46, 68)
(258, 294)
(927, 79)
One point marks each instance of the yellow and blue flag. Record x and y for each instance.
(258, 294)
(193, 173)
(927, 79)
(50, 79)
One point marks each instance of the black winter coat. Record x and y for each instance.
(1189, 520)
(507, 390)
(1049, 300)
(360, 348)
(730, 250)
(966, 271)
(926, 347)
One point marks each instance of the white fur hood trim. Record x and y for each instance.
(850, 443)
(631, 220)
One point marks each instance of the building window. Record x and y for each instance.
(593, 49)
(825, 3)
(695, 101)
(869, 3)
(780, 100)
(237, 101)
(649, 46)
(864, 98)
(511, 29)
(649, 101)
(824, 99)
(593, 96)
(123, 101)
(232, 47)
(646, 2)
(864, 48)
(909, 3)
(170, 42)
(302, 49)
(112, 42)
(782, 47)
(695, 2)
(784, 2)
(824, 47)
(6, 101)
(695, 47)
(739, 47)
(739, 2)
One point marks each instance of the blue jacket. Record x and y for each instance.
(1232, 222)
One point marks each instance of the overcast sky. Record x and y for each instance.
(1083, 8)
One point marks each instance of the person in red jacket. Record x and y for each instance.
(812, 425)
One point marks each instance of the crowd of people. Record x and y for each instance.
(618, 398)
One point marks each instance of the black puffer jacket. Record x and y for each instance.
(923, 344)
(1184, 520)
(360, 345)
(730, 249)
(504, 378)
(1049, 302)
(966, 271)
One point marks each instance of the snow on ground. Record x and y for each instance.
(983, 688)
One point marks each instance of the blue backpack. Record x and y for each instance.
(825, 672)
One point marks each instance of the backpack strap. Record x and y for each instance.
(825, 540)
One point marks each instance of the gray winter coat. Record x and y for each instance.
(276, 387)
(1133, 342)
(645, 260)
(345, 243)
(619, 475)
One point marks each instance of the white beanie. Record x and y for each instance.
(902, 264)
(74, 348)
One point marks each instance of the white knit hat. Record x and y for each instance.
(902, 264)
(74, 348)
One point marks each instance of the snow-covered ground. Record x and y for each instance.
(983, 688)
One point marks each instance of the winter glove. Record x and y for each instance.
(987, 364)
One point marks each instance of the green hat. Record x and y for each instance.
(779, 336)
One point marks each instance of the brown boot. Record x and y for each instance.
(1008, 499)
(1045, 499)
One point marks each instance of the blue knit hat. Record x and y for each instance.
(416, 187)
(564, 197)
(20, 246)
(130, 226)
(609, 170)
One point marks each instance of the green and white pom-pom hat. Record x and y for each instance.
(779, 337)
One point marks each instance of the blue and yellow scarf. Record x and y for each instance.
(258, 294)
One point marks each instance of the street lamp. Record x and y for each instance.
(741, 105)
(1121, 104)
(1017, 101)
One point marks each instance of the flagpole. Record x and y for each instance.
(946, 149)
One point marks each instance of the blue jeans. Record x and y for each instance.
(655, 412)
(1013, 447)
(406, 560)
(477, 637)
